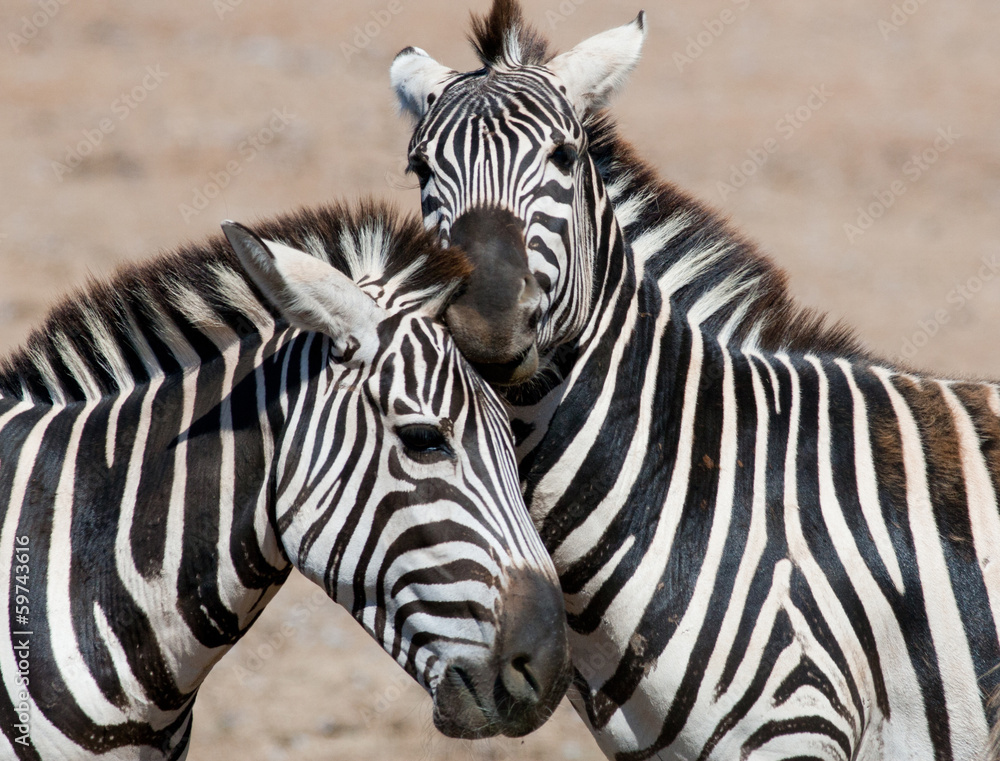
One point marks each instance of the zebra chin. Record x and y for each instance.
(514, 688)
(512, 373)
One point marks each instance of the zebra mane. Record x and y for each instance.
(502, 39)
(696, 253)
(181, 307)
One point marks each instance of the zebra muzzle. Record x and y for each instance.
(513, 690)
(494, 321)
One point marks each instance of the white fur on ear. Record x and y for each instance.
(596, 69)
(418, 80)
(309, 293)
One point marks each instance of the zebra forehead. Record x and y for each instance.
(532, 87)
(526, 100)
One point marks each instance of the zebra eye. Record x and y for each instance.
(420, 168)
(564, 157)
(423, 441)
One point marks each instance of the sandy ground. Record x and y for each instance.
(858, 142)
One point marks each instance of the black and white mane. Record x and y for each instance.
(147, 318)
(664, 225)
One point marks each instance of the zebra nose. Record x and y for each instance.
(534, 657)
(513, 691)
(494, 320)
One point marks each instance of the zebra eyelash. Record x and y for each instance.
(425, 442)
(564, 157)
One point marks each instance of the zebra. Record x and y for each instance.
(175, 440)
(773, 544)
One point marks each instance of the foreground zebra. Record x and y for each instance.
(773, 545)
(174, 441)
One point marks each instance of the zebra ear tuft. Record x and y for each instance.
(596, 69)
(309, 293)
(418, 80)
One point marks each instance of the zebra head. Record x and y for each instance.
(401, 497)
(501, 156)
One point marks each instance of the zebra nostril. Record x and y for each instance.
(517, 681)
(519, 696)
(462, 677)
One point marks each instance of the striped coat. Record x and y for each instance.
(176, 440)
(772, 544)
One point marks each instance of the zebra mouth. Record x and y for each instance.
(512, 373)
(468, 709)
(458, 709)
(516, 685)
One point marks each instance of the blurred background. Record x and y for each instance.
(857, 142)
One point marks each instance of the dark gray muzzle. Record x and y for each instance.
(494, 321)
(516, 688)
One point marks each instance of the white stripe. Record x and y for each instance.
(65, 648)
(625, 612)
(867, 483)
(628, 209)
(138, 700)
(965, 715)
(901, 684)
(765, 359)
(752, 551)
(576, 603)
(802, 557)
(981, 499)
(588, 534)
(556, 481)
(662, 679)
(27, 455)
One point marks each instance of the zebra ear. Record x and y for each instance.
(309, 293)
(596, 69)
(418, 80)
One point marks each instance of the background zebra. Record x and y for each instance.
(172, 442)
(788, 545)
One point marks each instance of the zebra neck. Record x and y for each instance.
(149, 552)
(550, 415)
